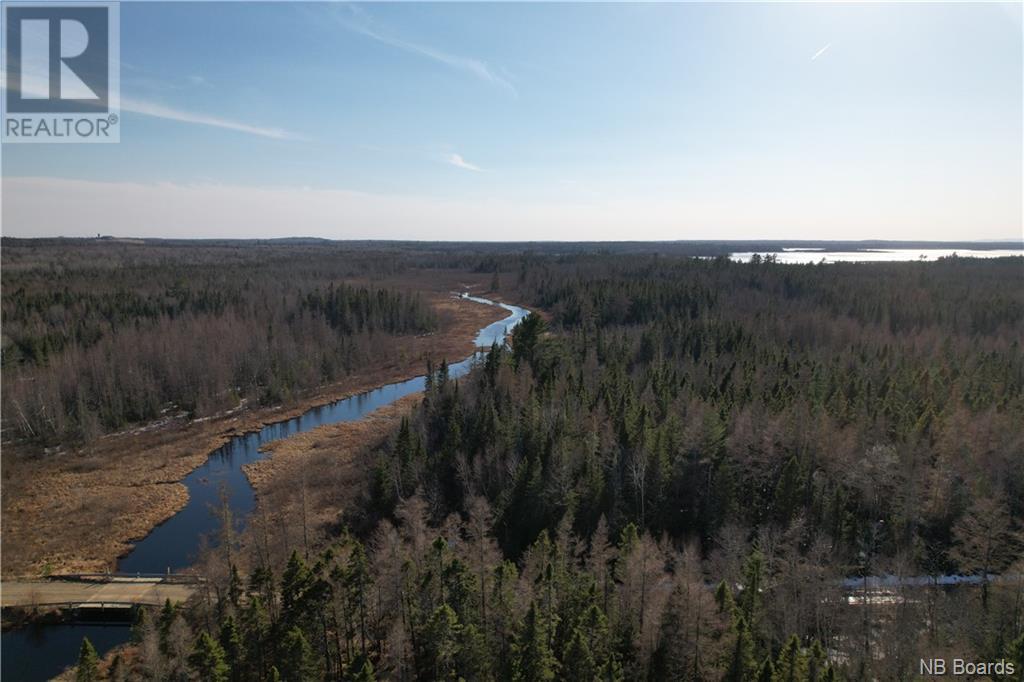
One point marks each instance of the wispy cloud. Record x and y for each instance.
(360, 22)
(136, 78)
(459, 162)
(821, 51)
(156, 110)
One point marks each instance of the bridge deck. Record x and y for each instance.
(61, 592)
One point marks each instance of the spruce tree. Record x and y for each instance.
(296, 661)
(534, 660)
(441, 641)
(724, 600)
(231, 641)
(578, 659)
(817, 662)
(235, 588)
(791, 665)
(742, 665)
(88, 663)
(294, 583)
(167, 616)
(207, 659)
(363, 671)
(750, 598)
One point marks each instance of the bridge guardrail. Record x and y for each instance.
(170, 578)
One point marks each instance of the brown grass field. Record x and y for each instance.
(79, 510)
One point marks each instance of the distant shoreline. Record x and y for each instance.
(690, 247)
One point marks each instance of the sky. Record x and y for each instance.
(502, 121)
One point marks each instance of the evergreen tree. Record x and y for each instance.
(256, 632)
(207, 659)
(753, 579)
(362, 671)
(168, 615)
(817, 663)
(441, 643)
(787, 492)
(231, 642)
(534, 661)
(88, 663)
(742, 665)
(296, 661)
(235, 588)
(578, 661)
(116, 673)
(357, 583)
(791, 665)
(139, 624)
(724, 599)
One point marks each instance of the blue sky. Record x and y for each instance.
(547, 121)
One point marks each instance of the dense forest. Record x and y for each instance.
(678, 469)
(101, 336)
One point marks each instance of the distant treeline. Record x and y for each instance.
(97, 339)
(431, 250)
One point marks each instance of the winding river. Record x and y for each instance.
(39, 653)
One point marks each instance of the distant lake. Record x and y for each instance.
(876, 255)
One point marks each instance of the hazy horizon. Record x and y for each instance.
(541, 122)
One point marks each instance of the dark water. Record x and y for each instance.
(40, 653)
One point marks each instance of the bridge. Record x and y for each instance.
(98, 591)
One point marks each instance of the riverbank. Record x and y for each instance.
(306, 482)
(80, 511)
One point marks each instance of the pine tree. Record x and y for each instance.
(357, 583)
(441, 642)
(296, 661)
(525, 338)
(750, 598)
(724, 600)
(231, 642)
(235, 587)
(88, 663)
(817, 663)
(116, 673)
(207, 659)
(787, 492)
(256, 629)
(742, 665)
(167, 617)
(791, 665)
(139, 625)
(502, 617)
(404, 451)
(362, 671)
(578, 660)
(534, 660)
(294, 583)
